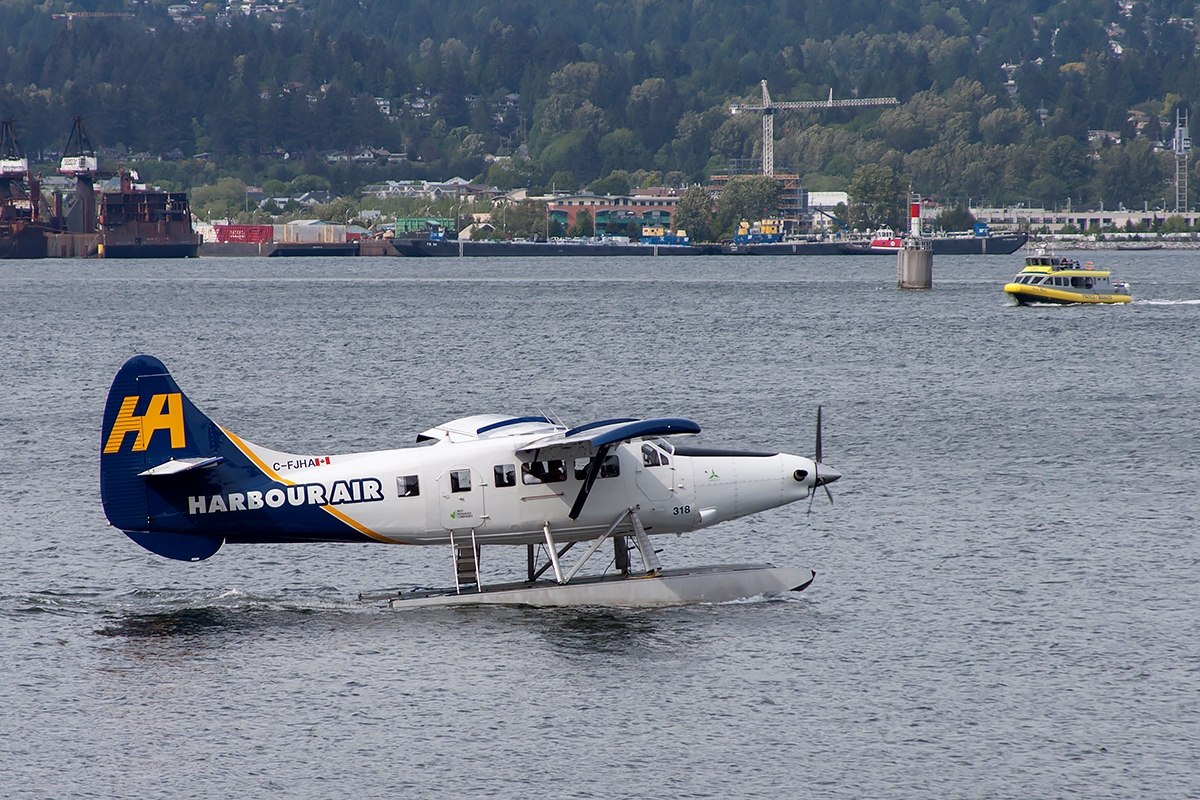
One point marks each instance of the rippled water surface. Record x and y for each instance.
(1007, 600)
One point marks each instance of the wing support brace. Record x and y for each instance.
(590, 478)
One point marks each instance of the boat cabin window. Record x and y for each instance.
(552, 471)
(407, 486)
(505, 474)
(611, 467)
(460, 480)
(1037, 279)
(1080, 282)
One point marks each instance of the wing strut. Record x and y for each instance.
(558, 576)
(596, 545)
(649, 559)
(588, 479)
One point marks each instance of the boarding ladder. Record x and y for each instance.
(466, 564)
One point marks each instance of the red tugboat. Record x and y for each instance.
(21, 233)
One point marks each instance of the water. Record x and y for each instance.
(1007, 600)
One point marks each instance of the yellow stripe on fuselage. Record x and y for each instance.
(1062, 295)
(358, 526)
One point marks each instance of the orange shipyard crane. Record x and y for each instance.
(768, 109)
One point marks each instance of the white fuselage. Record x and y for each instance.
(486, 487)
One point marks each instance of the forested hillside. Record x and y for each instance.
(998, 98)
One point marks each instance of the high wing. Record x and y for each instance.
(610, 431)
(599, 437)
(488, 426)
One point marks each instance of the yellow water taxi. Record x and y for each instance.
(1051, 279)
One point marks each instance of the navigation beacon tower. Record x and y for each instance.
(1182, 147)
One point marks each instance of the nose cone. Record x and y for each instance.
(810, 473)
(826, 474)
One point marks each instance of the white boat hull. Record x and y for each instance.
(717, 584)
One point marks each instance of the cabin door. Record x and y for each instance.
(460, 495)
(655, 473)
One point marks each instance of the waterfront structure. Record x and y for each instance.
(653, 207)
(1054, 220)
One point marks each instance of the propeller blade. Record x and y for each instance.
(818, 454)
(816, 482)
(817, 470)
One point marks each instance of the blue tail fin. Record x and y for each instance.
(148, 422)
(177, 484)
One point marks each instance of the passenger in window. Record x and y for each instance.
(506, 474)
(649, 456)
(611, 467)
(536, 472)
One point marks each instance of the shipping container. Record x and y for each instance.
(251, 234)
(310, 233)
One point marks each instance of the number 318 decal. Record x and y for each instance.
(682, 510)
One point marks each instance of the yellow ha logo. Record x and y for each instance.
(165, 413)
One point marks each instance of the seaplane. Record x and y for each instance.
(182, 486)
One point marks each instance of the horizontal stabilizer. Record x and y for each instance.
(178, 465)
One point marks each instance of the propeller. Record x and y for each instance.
(817, 481)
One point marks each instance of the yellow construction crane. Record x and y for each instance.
(71, 15)
(768, 110)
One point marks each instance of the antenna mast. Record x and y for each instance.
(1182, 147)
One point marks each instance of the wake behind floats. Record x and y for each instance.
(181, 486)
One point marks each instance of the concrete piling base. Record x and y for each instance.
(914, 266)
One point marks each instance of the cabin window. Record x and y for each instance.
(460, 480)
(1087, 283)
(1077, 282)
(611, 467)
(407, 486)
(1038, 279)
(650, 455)
(552, 471)
(506, 474)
